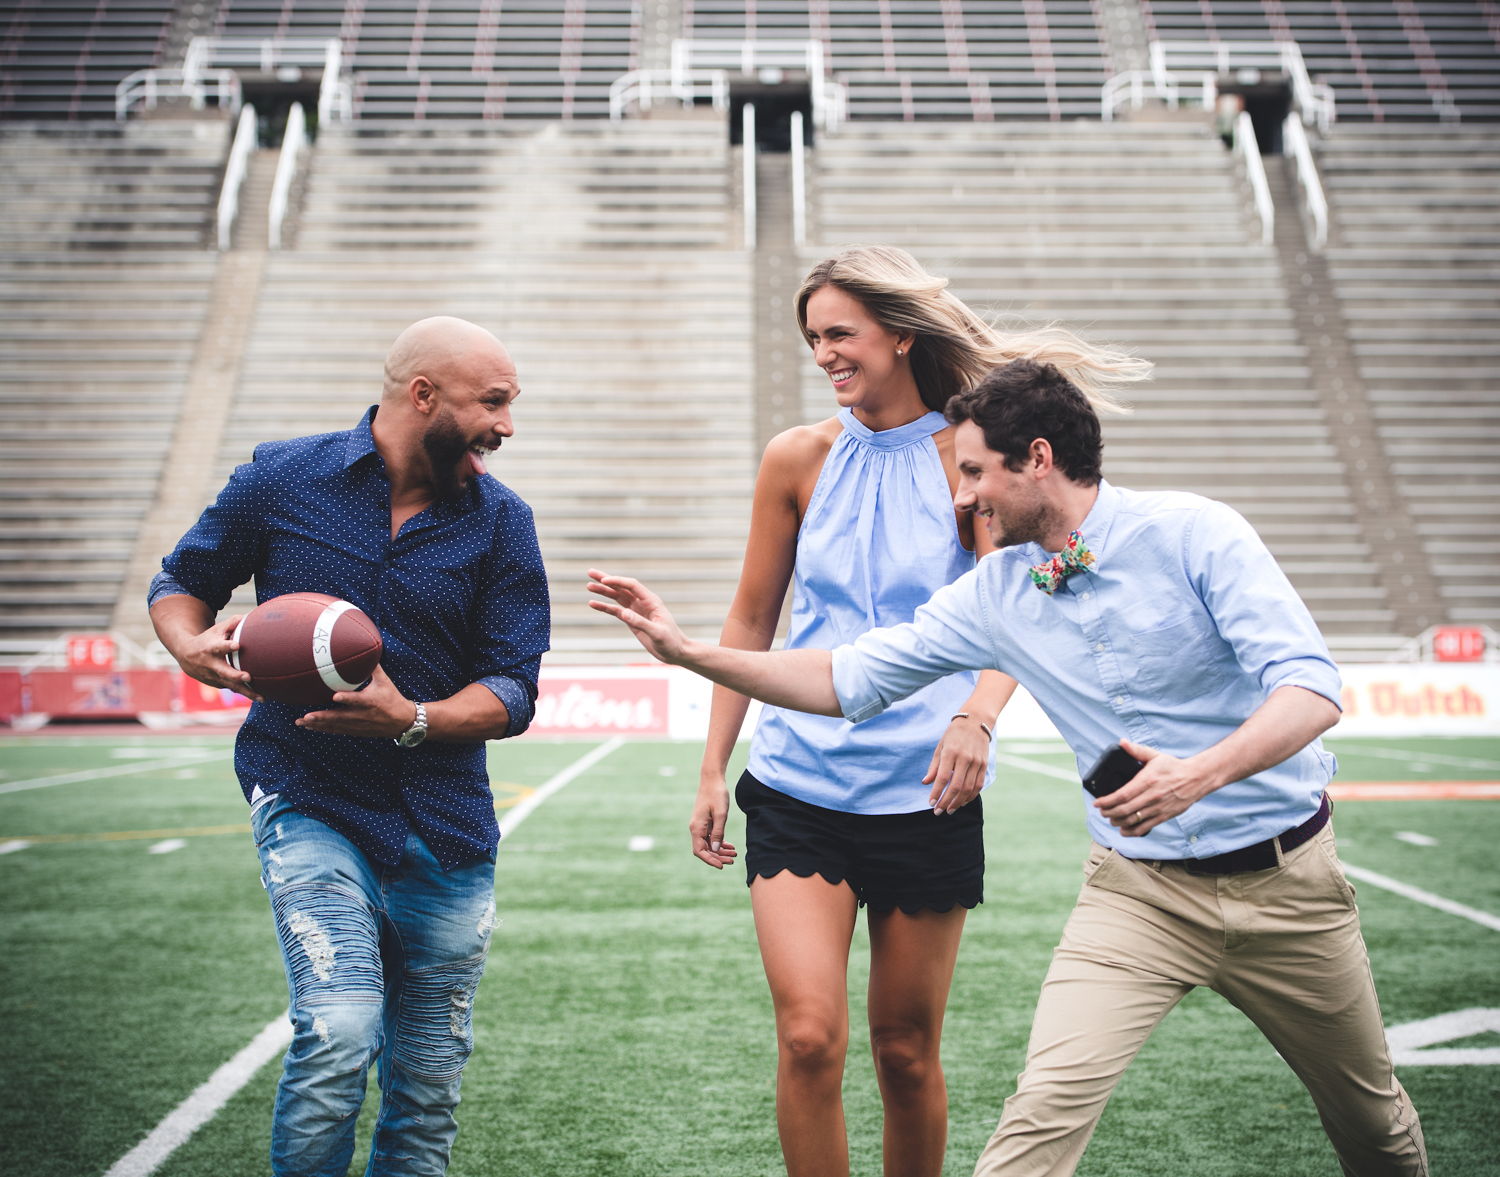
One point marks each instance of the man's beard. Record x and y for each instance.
(1031, 526)
(446, 447)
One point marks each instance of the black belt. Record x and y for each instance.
(1262, 855)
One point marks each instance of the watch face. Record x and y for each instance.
(415, 734)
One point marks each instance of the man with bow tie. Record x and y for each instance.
(1158, 621)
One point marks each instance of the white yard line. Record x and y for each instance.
(519, 813)
(200, 1107)
(1355, 748)
(1395, 886)
(94, 774)
(1036, 766)
(220, 1087)
(1417, 895)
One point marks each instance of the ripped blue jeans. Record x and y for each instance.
(382, 964)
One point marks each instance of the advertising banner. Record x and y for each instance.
(1387, 699)
(1421, 699)
(603, 701)
(109, 694)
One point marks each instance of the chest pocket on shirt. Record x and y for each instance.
(1179, 658)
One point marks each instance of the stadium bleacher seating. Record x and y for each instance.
(103, 286)
(464, 58)
(62, 58)
(606, 268)
(1387, 60)
(478, 186)
(1415, 254)
(479, 175)
(917, 60)
(1136, 234)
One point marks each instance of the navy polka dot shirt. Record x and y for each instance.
(460, 597)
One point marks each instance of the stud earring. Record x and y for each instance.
(900, 351)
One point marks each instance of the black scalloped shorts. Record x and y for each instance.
(914, 861)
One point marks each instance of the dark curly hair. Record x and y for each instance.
(1023, 400)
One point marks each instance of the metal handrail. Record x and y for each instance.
(835, 104)
(639, 87)
(799, 181)
(147, 87)
(1132, 85)
(293, 142)
(747, 141)
(1207, 59)
(748, 57)
(1294, 138)
(246, 139)
(52, 653)
(1314, 100)
(703, 67)
(267, 55)
(1249, 150)
(334, 98)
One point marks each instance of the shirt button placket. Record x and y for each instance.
(1096, 636)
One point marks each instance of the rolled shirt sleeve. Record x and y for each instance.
(514, 623)
(881, 666)
(1255, 607)
(221, 551)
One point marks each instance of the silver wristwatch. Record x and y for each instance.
(415, 734)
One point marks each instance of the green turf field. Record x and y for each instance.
(623, 1027)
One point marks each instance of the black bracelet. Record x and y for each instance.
(984, 727)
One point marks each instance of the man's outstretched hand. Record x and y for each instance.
(642, 611)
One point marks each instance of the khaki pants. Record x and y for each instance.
(1282, 945)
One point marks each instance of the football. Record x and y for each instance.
(300, 648)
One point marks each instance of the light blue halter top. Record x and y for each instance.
(879, 538)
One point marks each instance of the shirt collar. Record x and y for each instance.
(360, 445)
(1095, 527)
(893, 439)
(1097, 524)
(361, 441)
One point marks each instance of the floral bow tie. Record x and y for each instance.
(1074, 557)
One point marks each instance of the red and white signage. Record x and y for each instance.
(1457, 643)
(601, 702)
(1420, 699)
(91, 651)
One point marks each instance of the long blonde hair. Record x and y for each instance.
(955, 348)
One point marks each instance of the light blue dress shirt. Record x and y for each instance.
(878, 539)
(1183, 627)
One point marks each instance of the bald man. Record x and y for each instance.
(373, 816)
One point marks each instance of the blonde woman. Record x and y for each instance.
(857, 513)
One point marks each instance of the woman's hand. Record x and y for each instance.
(710, 816)
(958, 766)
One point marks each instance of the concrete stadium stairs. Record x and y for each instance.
(1140, 234)
(103, 290)
(602, 256)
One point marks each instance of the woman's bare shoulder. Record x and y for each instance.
(801, 446)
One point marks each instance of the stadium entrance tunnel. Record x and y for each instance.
(273, 99)
(1268, 100)
(774, 103)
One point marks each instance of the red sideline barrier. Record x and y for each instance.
(100, 694)
(11, 703)
(196, 697)
(601, 704)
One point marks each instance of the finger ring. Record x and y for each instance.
(1136, 820)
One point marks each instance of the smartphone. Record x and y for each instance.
(1113, 769)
